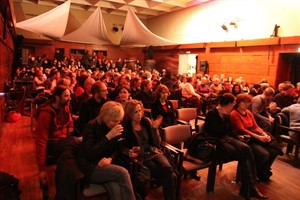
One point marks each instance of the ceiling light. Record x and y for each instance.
(224, 27)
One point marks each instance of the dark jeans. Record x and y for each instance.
(161, 169)
(116, 180)
(54, 150)
(238, 150)
(264, 154)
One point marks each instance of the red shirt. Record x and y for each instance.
(244, 123)
(52, 124)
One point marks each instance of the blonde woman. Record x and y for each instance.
(99, 152)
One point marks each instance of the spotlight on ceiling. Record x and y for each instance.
(224, 27)
(234, 24)
(115, 29)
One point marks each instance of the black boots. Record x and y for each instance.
(253, 192)
(248, 188)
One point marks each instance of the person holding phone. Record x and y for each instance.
(100, 153)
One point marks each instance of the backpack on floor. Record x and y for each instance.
(9, 187)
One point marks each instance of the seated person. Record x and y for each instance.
(54, 123)
(217, 124)
(254, 90)
(259, 106)
(139, 135)
(204, 90)
(189, 98)
(216, 87)
(162, 107)
(285, 97)
(145, 95)
(87, 94)
(227, 88)
(123, 94)
(39, 80)
(293, 111)
(264, 147)
(90, 108)
(100, 151)
(236, 89)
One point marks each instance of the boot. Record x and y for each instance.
(248, 188)
(256, 194)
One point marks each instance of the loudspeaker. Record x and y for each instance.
(151, 52)
(18, 52)
(203, 65)
(115, 29)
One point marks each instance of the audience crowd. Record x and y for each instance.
(89, 98)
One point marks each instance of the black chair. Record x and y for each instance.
(282, 130)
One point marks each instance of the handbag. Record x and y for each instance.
(202, 148)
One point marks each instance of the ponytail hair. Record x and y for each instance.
(226, 99)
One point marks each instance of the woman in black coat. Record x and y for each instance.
(142, 143)
(100, 152)
(162, 107)
(217, 124)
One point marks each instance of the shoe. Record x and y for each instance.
(265, 177)
(195, 176)
(280, 152)
(256, 194)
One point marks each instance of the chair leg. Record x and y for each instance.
(289, 148)
(238, 173)
(296, 155)
(210, 185)
(221, 167)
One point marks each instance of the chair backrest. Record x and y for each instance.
(187, 114)
(282, 119)
(174, 104)
(177, 134)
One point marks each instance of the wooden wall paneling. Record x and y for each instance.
(193, 46)
(290, 40)
(223, 50)
(221, 44)
(258, 42)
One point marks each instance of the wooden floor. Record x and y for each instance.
(17, 157)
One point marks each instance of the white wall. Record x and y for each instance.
(255, 19)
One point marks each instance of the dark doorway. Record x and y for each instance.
(288, 68)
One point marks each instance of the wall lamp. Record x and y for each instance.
(234, 25)
(224, 27)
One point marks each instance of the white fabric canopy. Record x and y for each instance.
(92, 31)
(137, 34)
(51, 24)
